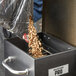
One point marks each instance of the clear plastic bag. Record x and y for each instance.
(14, 15)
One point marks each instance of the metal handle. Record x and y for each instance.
(9, 59)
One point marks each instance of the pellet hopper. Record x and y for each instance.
(60, 58)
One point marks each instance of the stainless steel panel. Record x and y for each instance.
(22, 62)
(63, 54)
(43, 65)
(2, 71)
(59, 19)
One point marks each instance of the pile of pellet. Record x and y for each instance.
(35, 46)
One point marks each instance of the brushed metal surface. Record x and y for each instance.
(59, 19)
(39, 67)
(63, 54)
(2, 71)
(22, 62)
(43, 65)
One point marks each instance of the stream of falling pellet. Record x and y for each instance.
(35, 46)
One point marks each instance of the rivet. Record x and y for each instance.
(69, 48)
(44, 35)
(48, 37)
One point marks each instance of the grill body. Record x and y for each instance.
(62, 53)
